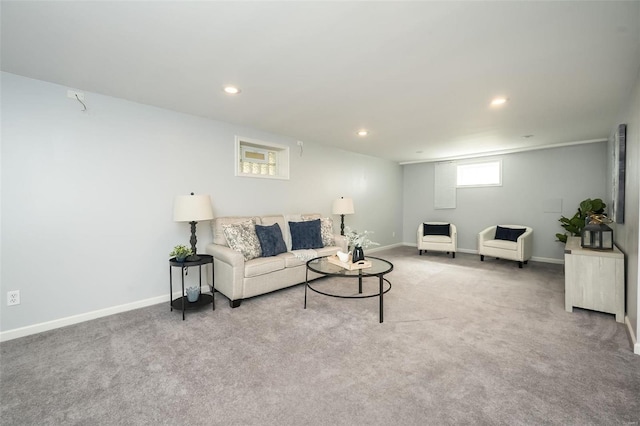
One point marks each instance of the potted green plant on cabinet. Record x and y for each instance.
(579, 220)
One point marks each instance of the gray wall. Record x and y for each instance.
(531, 181)
(87, 196)
(627, 234)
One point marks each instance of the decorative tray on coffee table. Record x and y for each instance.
(349, 265)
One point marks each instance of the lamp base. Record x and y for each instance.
(194, 256)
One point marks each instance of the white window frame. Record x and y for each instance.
(256, 153)
(475, 163)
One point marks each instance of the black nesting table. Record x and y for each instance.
(183, 303)
(379, 267)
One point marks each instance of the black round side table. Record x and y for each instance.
(203, 299)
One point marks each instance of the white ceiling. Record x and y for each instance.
(418, 75)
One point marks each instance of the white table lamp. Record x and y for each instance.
(193, 209)
(342, 206)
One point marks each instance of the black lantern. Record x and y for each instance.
(597, 236)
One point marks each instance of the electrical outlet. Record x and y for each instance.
(13, 297)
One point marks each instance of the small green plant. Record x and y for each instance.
(575, 224)
(181, 252)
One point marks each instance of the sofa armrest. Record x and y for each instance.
(341, 241)
(486, 235)
(228, 271)
(525, 244)
(226, 254)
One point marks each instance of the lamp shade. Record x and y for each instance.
(192, 208)
(343, 206)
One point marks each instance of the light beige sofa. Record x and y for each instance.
(238, 279)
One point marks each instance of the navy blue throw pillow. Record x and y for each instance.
(428, 229)
(502, 233)
(271, 241)
(508, 234)
(514, 233)
(305, 235)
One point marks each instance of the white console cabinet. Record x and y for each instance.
(593, 279)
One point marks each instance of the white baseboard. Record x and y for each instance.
(75, 319)
(634, 338)
(375, 249)
(534, 258)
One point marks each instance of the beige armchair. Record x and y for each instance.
(512, 242)
(440, 236)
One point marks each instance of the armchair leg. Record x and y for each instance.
(420, 252)
(482, 258)
(454, 255)
(526, 262)
(235, 303)
(520, 265)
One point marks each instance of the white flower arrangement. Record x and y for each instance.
(357, 239)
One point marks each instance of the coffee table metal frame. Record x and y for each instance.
(379, 268)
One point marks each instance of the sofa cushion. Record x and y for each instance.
(436, 229)
(290, 260)
(271, 241)
(263, 265)
(508, 234)
(286, 229)
(305, 235)
(242, 237)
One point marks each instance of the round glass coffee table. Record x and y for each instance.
(379, 267)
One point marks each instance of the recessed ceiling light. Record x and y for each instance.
(363, 132)
(498, 101)
(232, 90)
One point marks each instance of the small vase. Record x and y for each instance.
(181, 258)
(192, 294)
(358, 254)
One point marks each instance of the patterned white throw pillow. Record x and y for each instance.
(242, 237)
(326, 229)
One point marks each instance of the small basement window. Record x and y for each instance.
(261, 159)
(487, 173)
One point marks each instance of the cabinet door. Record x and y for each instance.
(590, 282)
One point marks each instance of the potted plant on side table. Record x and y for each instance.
(181, 252)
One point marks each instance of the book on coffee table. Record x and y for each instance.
(349, 265)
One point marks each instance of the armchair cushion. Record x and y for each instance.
(508, 234)
(433, 229)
